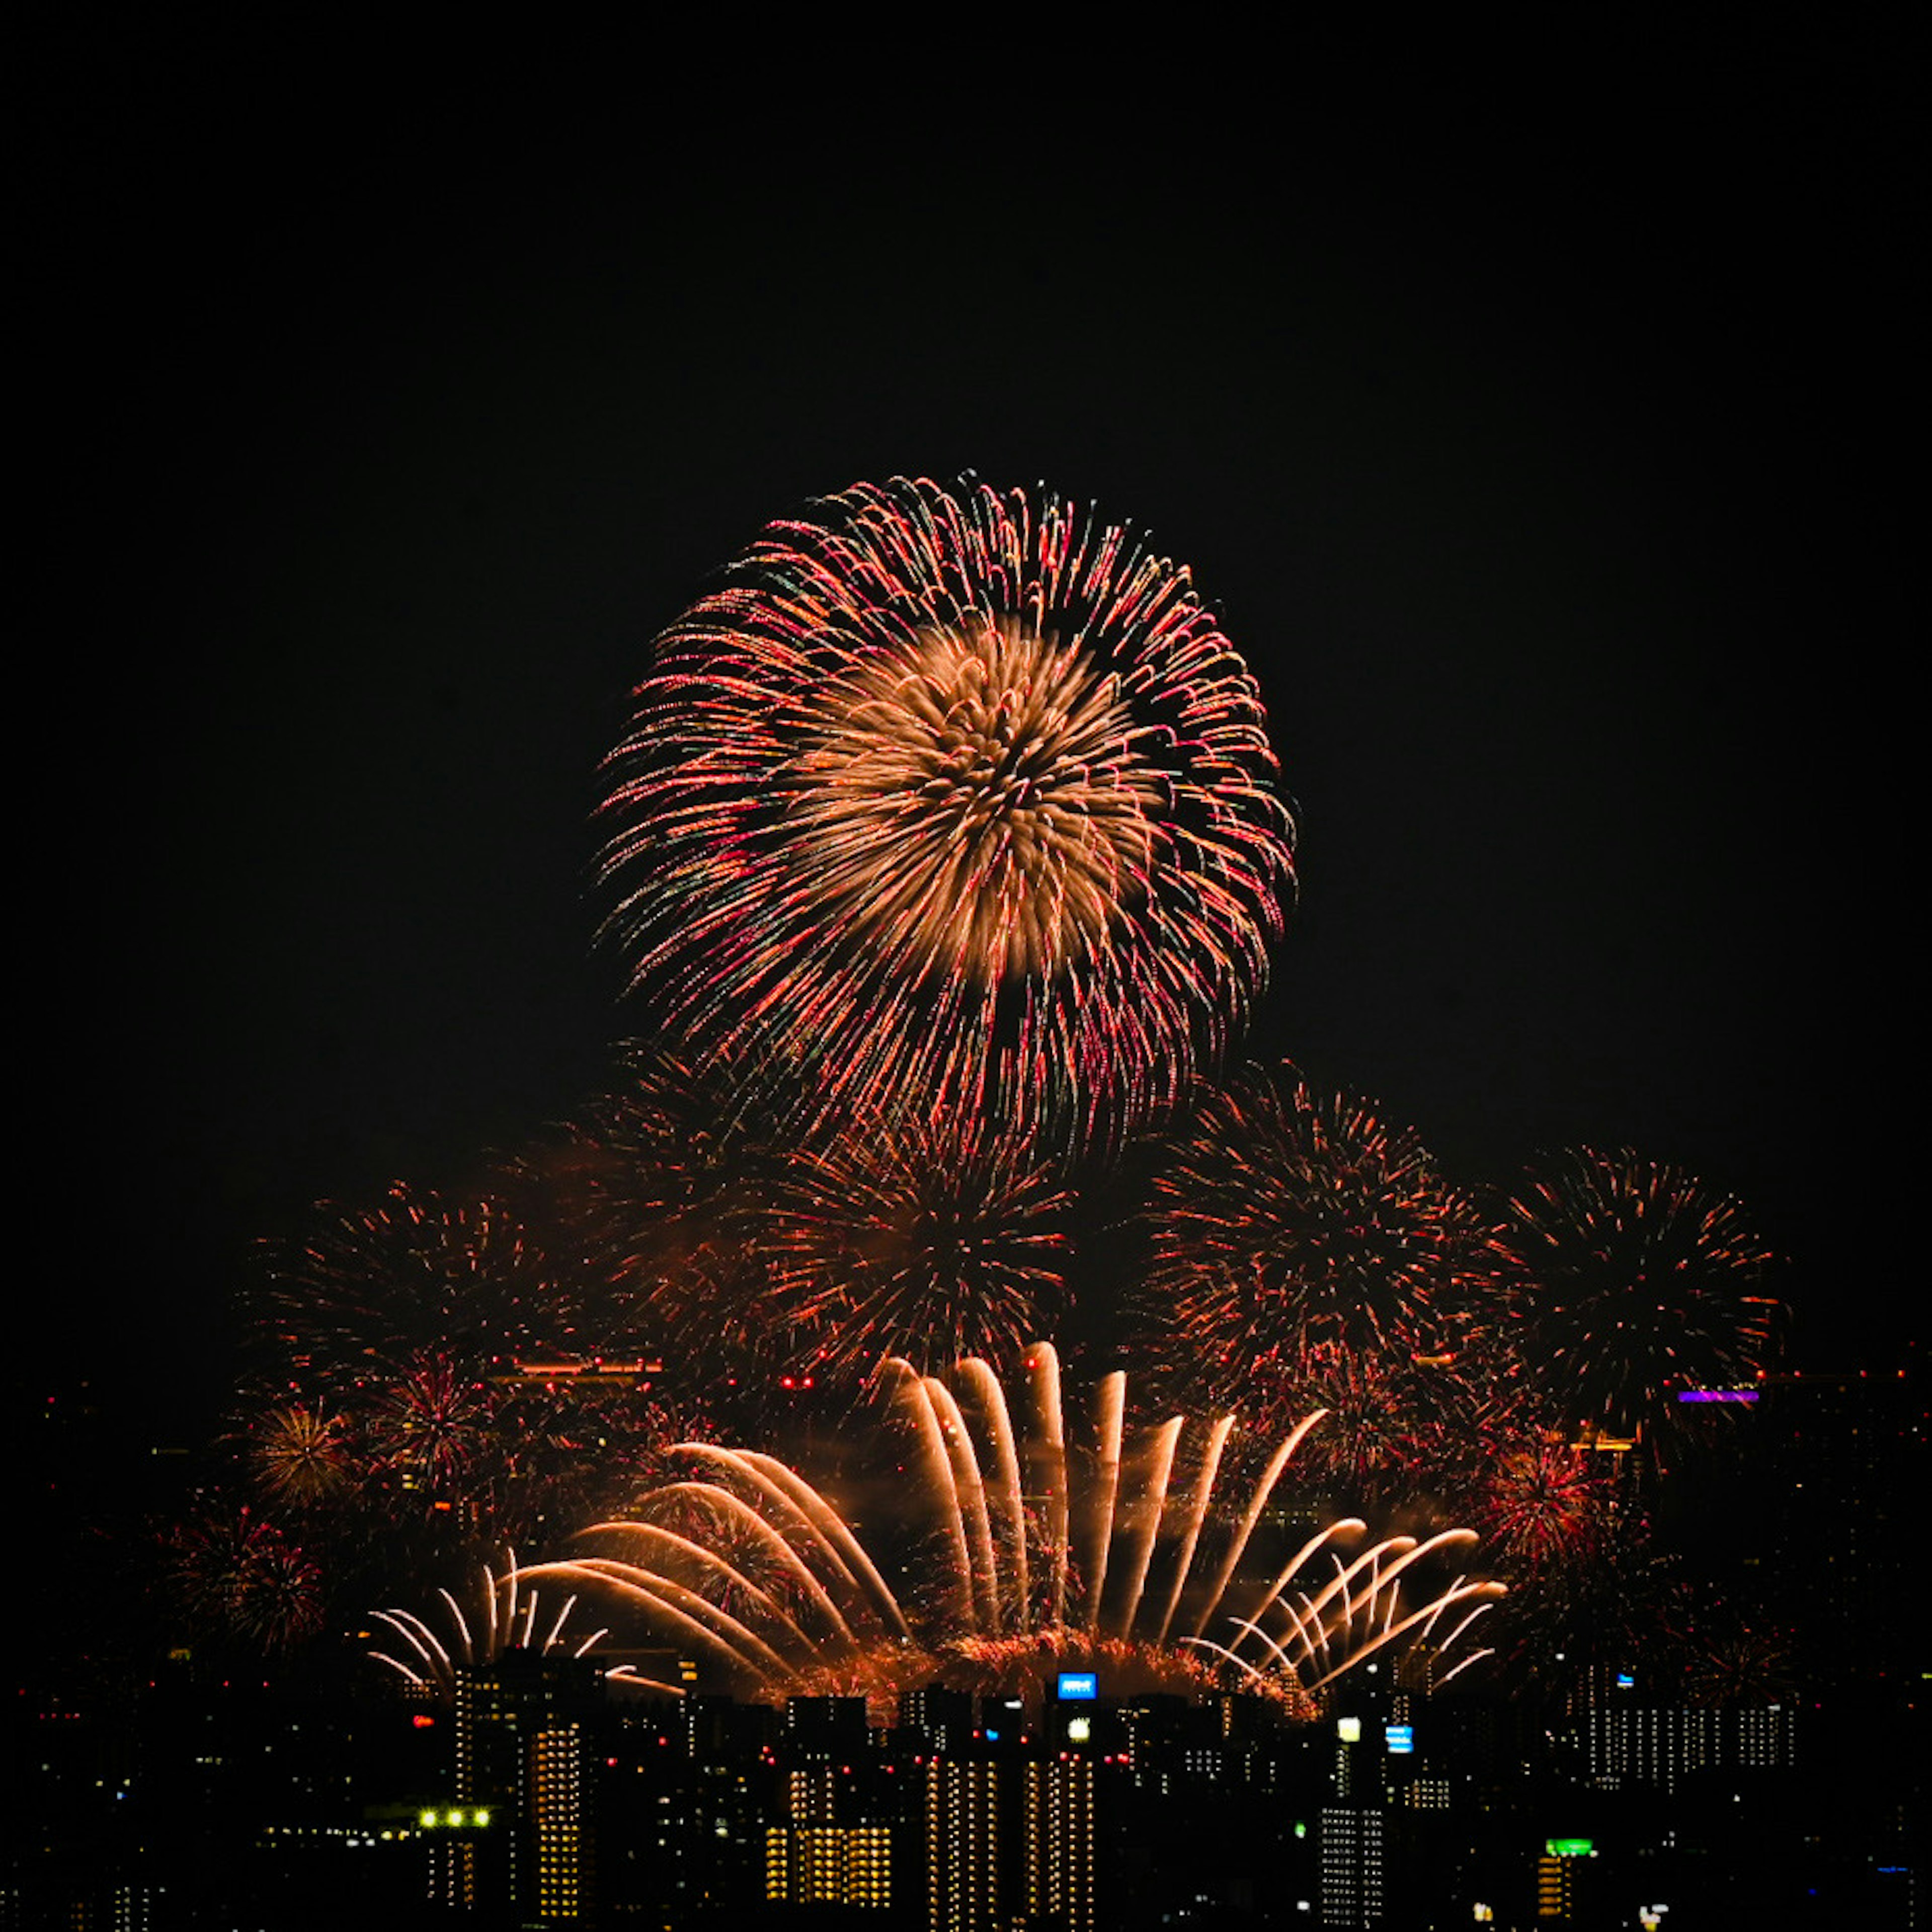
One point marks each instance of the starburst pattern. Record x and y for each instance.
(951, 798)
(303, 1456)
(1289, 1229)
(894, 1239)
(1643, 1283)
(236, 1572)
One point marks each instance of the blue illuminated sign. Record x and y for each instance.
(1399, 1738)
(1076, 1685)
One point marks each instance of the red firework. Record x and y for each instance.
(1543, 1506)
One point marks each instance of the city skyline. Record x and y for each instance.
(1536, 445)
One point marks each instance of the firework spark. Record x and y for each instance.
(1023, 1545)
(951, 798)
(1642, 1282)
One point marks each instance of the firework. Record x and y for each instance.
(1729, 1659)
(369, 1291)
(892, 1239)
(1642, 1282)
(432, 1426)
(638, 1197)
(1290, 1228)
(1541, 1506)
(303, 1456)
(1020, 1549)
(235, 1571)
(947, 798)
(502, 1623)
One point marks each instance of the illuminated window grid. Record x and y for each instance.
(1552, 1888)
(1351, 1868)
(961, 1828)
(1059, 1841)
(556, 1815)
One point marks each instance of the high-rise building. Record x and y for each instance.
(848, 1865)
(1351, 1850)
(1659, 1748)
(962, 1844)
(557, 1831)
(1059, 1827)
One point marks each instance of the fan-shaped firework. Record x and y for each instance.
(1028, 1550)
(893, 1239)
(1642, 1282)
(1289, 1224)
(951, 798)
(503, 1623)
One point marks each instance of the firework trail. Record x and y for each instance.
(1017, 1556)
(951, 798)
(1290, 1232)
(503, 1622)
(1642, 1282)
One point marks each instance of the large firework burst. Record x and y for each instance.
(892, 1238)
(1019, 1549)
(951, 797)
(1289, 1229)
(1642, 1282)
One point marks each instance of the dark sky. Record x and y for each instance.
(1537, 428)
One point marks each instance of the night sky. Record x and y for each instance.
(1538, 429)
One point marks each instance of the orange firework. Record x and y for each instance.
(951, 797)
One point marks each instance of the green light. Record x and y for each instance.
(426, 1819)
(1570, 1848)
(481, 1818)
